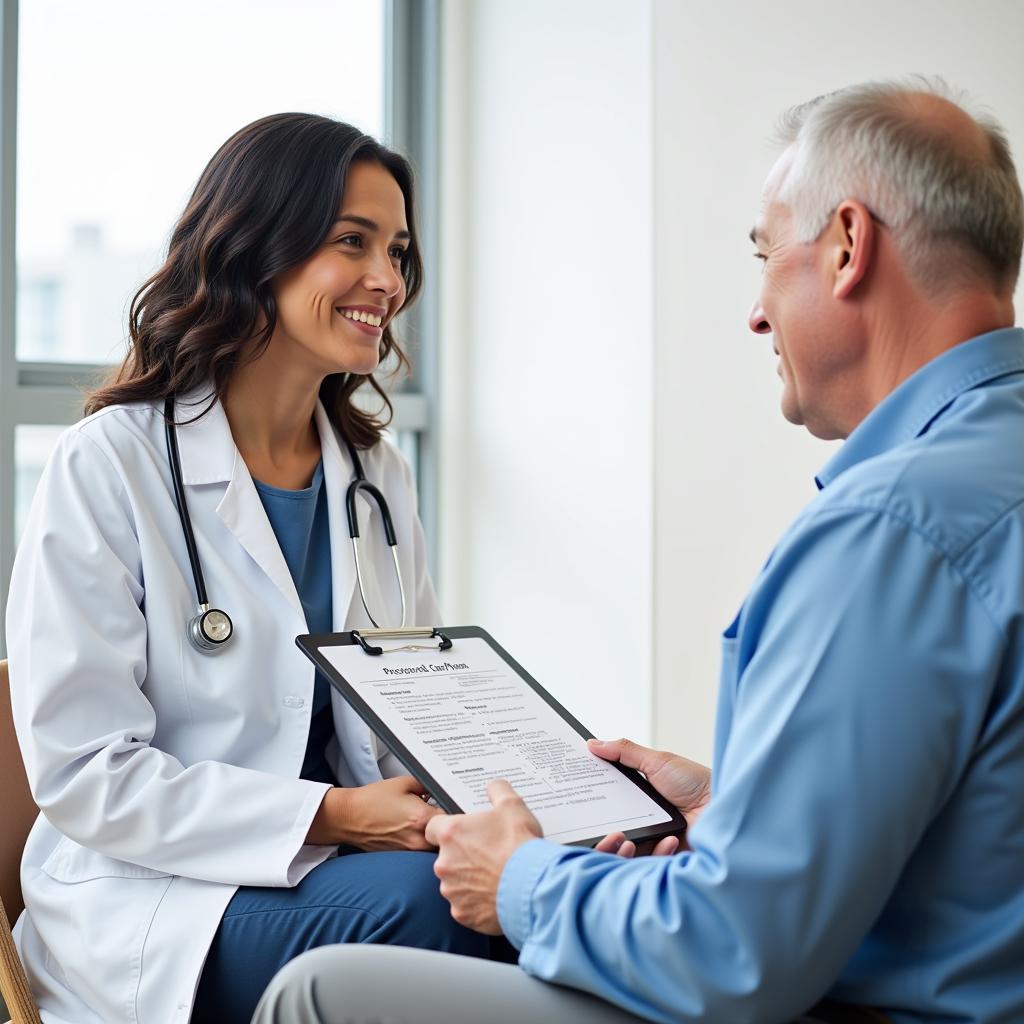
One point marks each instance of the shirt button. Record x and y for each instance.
(293, 702)
(367, 749)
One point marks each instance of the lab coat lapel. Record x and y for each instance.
(338, 474)
(209, 455)
(243, 514)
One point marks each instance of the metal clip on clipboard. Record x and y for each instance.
(363, 636)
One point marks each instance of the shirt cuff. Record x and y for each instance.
(307, 856)
(518, 880)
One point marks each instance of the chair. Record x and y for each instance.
(18, 814)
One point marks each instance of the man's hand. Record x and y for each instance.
(473, 851)
(684, 783)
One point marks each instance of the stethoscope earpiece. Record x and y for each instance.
(360, 483)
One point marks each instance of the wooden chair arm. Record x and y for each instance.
(13, 981)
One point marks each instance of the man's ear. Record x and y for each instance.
(853, 238)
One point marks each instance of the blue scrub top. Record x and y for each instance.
(301, 525)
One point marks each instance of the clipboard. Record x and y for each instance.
(329, 650)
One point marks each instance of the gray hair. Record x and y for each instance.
(955, 211)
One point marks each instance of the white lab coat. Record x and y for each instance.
(166, 778)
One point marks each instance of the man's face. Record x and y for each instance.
(797, 309)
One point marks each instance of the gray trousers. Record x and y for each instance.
(367, 984)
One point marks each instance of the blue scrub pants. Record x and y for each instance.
(387, 898)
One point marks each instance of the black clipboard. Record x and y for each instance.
(311, 644)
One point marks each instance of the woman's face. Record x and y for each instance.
(332, 309)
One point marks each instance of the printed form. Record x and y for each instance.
(468, 717)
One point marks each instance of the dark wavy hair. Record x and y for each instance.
(264, 203)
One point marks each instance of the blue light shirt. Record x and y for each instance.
(865, 836)
(301, 525)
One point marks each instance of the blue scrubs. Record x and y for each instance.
(301, 525)
(390, 898)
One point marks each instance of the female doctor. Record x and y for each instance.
(195, 778)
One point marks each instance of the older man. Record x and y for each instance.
(864, 837)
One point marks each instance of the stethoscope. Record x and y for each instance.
(210, 629)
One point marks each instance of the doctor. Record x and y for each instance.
(195, 789)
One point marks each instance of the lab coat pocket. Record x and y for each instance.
(94, 915)
(71, 862)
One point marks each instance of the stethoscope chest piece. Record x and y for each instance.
(210, 630)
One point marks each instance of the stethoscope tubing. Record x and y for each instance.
(179, 499)
(360, 483)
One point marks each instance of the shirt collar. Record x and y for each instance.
(910, 409)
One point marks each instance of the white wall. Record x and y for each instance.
(615, 466)
(547, 347)
(729, 471)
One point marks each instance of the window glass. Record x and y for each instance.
(407, 442)
(32, 447)
(120, 105)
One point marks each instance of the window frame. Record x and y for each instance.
(33, 393)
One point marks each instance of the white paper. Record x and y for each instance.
(468, 717)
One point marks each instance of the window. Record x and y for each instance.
(32, 447)
(118, 107)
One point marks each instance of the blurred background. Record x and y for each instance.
(602, 464)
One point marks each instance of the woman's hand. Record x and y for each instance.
(387, 815)
(684, 783)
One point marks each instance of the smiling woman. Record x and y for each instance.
(268, 234)
(203, 812)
